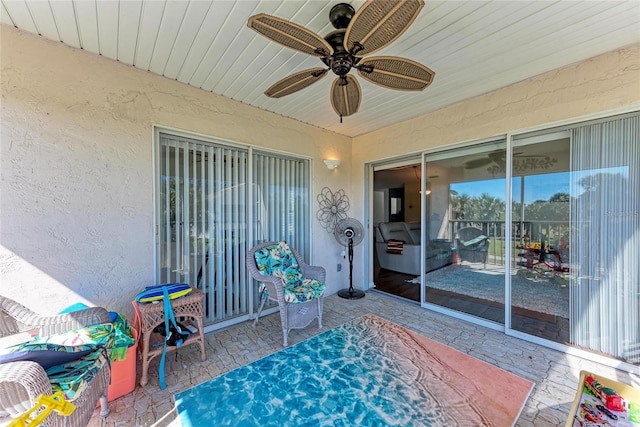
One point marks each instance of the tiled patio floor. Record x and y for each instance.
(555, 374)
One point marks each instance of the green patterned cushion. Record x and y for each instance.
(303, 291)
(123, 339)
(61, 348)
(278, 260)
(87, 338)
(74, 377)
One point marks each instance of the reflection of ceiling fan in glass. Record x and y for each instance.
(376, 24)
(496, 160)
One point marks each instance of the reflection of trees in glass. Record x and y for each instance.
(486, 208)
(554, 209)
(482, 208)
(458, 203)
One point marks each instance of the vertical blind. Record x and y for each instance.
(203, 216)
(202, 234)
(605, 238)
(281, 200)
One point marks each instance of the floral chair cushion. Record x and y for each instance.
(278, 260)
(73, 378)
(62, 348)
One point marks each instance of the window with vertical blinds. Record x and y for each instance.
(281, 200)
(203, 216)
(605, 238)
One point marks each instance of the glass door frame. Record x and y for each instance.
(500, 138)
(533, 132)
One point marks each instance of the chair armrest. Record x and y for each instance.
(51, 325)
(20, 384)
(315, 272)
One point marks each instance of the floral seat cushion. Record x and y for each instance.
(72, 358)
(73, 378)
(278, 260)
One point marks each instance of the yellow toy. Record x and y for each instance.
(55, 402)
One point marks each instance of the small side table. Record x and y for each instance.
(152, 315)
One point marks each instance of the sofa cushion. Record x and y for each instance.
(394, 231)
(414, 232)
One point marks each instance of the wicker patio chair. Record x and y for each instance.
(21, 382)
(473, 245)
(297, 288)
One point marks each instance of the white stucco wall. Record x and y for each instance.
(604, 84)
(76, 187)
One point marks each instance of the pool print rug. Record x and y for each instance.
(366, 372)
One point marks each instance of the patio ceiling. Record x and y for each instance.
(473, 46)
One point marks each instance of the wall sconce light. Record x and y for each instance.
(332, 164)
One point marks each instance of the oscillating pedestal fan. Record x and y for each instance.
(349, 232)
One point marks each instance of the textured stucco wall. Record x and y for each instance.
(606, 83)
(76, 158)
(76, 170)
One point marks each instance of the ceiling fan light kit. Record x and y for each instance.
(373, 27)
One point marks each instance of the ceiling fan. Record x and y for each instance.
(376, 24)
(498, 157)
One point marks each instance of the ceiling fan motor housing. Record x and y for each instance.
(341, 61)
(341, 14)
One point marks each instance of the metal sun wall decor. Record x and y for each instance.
(333, 208)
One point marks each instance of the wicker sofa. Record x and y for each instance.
(22, 381)
(405, 258)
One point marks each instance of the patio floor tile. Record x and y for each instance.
(555, 374)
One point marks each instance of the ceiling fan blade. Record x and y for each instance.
(345, 98)
(395, 73)
(295, 82)
(379, 22)
(477, 163)
(289, 34)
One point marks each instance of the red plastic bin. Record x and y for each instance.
(123, 373)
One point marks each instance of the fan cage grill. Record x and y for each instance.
(342, 226)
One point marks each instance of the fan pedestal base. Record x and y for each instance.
(351, 293)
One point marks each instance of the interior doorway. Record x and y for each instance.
(396, 228)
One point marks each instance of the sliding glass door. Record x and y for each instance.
(576, 230)
(541, 177)
(208, 216)
(604, 240)
(465, 230)
(573, 275)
